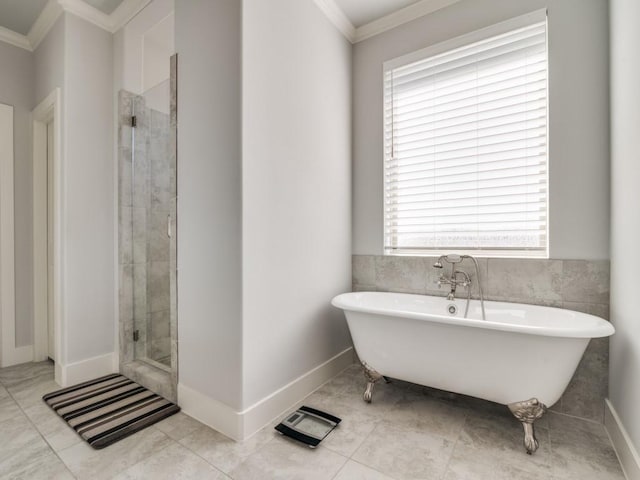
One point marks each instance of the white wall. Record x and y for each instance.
(49, 62)
(578, 97)
(296, 191)
(263, 194)
(129, 45)
(158, 46)
(208, 42)
(16, 89)
(624, 381)
(77, 56)
(88, 192)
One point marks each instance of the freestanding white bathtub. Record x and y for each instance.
(522, 356)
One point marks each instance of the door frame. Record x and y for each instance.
(50, 109)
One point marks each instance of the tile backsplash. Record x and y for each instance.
(581, 285)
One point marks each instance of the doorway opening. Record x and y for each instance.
(46, 229)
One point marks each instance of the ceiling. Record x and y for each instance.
(19, 15)
(361, 12)
(105, 6)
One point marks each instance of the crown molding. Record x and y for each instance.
(111, 23)
(125, 12)
(130, 8)
(43, 23)
(52, 10)
(15, 39)
(87, 12)
(400, 17)
(336, 16)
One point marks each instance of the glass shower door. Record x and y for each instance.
(154, 223)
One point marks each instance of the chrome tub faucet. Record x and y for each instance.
(453, 281)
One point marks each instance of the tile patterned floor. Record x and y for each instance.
(408, 432)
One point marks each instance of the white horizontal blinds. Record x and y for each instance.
(466, 148)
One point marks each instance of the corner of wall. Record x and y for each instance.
(242, 425)
(622, 443)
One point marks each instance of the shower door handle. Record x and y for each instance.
(169, 225)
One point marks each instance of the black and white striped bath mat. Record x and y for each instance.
(107, 409)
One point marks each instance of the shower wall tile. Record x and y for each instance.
(125, 236)
(124, 177)
(140, 193)
(140, 307)
(173, 92)
(159, 325)
(585, 395)
(142, 344)
(126, 345)
(364, 269)
(125, 102)
(158, 336)
(157, 238)
(159, 187)
(125, 135)
(588, 389)
(141, 113)
(538, 281)
(126, 311)
(173, 184)
(159, 150)
(140, 291)
(139, 226)
(363, 288)
(586, 281)
(159, 125)
(126, 291)
(159, 350)
(580, 285)
(158, 286)
(401, 274)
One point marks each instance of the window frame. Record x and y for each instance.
(537, 16)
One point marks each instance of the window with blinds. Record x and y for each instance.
(466, 164)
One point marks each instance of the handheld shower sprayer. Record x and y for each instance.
(451, 258)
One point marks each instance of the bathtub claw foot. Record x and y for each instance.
(368, 393)
(372, 378)
(528, 412)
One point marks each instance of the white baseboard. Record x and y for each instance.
(269, 408)
(624, 447)
(242, 425)
(88, 369)
(205, 409)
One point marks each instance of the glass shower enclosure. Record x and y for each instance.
(147, 224)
